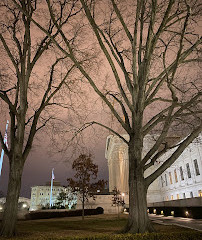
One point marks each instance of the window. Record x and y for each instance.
(178, 196)
(167, 198)
(188, 170)
(181, 174)
(162, 181)
(175, 173)
(170, 175)
(196, 167)
(191, 195)
(171, 197)
(108, 143)
(184, 195)
(166, 180)
(200, 193)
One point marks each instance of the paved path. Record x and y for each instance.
(179, 221)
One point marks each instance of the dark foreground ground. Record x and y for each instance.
(99, 225)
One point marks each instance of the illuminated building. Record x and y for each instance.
(40, 196)
(182, 180)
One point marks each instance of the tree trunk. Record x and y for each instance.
(138, 221)
(8, 227)
(83, 200)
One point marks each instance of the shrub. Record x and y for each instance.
(188, 235)
(146, 236)
(58, 214)
(100, 210)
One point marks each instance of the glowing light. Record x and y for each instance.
(123, 194)
(172, 213)
(162, 212)
(1, 208)
(154, 211)
(187, 213)
(24, 205)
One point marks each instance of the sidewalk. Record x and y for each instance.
(195, 224)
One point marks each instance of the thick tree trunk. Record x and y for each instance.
(138, 221)
(8, 227)
(83, 202)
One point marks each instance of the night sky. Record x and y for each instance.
(37, 170)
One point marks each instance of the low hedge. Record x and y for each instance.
(59, 214)
(146, 236)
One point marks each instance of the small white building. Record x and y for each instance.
(40, 196)
(182, 180)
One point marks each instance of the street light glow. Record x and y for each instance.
(24, 205)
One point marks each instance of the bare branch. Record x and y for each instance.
(174, 156)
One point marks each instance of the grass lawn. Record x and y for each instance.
(63, 228)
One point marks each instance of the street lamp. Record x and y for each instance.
(24, 205)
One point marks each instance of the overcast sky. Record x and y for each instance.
(38, 167)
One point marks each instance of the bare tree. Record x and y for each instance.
(149, 46)
(117, 199)
(86, 171)
(27, 99)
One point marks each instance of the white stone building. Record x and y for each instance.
(40, 196)
(182, 180)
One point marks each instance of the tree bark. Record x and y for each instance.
(8, 227)
(138, 221)
(83, 202)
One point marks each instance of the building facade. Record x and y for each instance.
(40, 196)
(182, 180)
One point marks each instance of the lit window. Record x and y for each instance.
(196, 167)
(171, 197)
(181, 174)
(191, 194)
(176, 179)
(178, 197)
(188, 170)
(170, 175)
(200, 193)
(166, 180)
